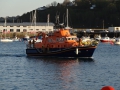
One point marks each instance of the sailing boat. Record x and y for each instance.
(6, 39)
(37, 39)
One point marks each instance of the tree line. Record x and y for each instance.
(82, 13)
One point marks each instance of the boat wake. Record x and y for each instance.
(12, 55)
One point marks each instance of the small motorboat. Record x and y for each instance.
(107, 39)
(6, 40)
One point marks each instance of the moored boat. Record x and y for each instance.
(107, 39)
(117, 41)
(6, 40)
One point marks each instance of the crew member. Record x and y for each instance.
(30, 43)
(33, 43)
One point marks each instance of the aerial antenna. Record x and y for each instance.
(57, 18)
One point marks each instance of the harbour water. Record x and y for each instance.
(19, 72)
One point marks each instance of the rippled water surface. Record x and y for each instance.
(19, 72)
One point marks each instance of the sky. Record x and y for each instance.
(19, 7)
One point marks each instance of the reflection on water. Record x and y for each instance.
(62, 73)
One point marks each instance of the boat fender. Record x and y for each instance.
(77, 51)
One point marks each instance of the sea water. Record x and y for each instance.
(19, 72)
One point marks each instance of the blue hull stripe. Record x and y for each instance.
(71, 52)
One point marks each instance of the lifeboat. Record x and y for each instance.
(60, 43)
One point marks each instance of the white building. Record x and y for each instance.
(26, 27)
(114, 29)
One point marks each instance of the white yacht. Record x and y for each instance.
(6, 39)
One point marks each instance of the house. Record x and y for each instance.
(114, 29)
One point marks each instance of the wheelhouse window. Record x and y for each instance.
(68, 38)
(74, 39)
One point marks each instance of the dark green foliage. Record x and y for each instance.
(80, 14)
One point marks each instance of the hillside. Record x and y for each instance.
(82, 13)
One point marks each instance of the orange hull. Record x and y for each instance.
(61, 44)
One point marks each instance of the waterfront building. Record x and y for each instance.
(114, 29)
(26, 27)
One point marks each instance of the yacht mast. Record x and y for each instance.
(5, 26)
(35, 22)
(67, 27)
(48, 19)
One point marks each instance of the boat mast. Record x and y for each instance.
(5, 26)
(48, 19)
(67, 27)
(35, 22)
